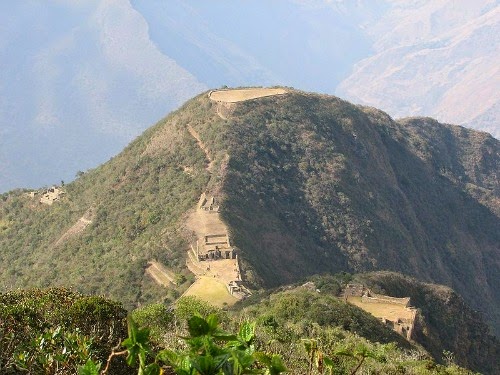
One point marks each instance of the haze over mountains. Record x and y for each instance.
(78, 80)
(437, 58)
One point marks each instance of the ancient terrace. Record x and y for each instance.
(48, 196)
(240, 95)
(212, 258)
(396, 313)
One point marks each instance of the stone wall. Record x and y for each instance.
(373, 298)
(354, 290)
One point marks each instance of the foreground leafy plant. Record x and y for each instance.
(327, 365)
(53, 331)
(210, 351)
(55, 349)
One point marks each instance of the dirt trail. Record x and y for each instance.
(218, 278)
(202, 145)
(224, 109)
(77, 228)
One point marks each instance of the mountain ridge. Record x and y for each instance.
(81, 80)
(312, 184)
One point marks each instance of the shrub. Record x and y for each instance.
(44, 329)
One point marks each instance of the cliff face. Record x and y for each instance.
(308, 184)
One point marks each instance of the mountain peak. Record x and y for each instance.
(306, 183)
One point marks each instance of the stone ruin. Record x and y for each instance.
(369, 297)
(354, 290)
(402, 325)
(214, 247)
(208, 204)
(217, 246)
(48, 196)
(237, 289)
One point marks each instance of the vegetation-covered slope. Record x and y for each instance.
(335, 186)
(136, 203)
(49, 331)
(308, 184)
(445, 323)
(41, 327)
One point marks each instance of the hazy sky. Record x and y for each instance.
(80, 79)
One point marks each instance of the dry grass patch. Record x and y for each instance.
(4, 224)
(211, 290)
(389, 311)
(240, 95)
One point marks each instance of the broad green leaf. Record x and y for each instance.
(247, 332)
(344, 352)
(132, 355)
(224, 336)
(243, 359)
(185, 364)
(205, 365)
(197, 326)
(128, 343)
(169, 356)
(328, 362)
(213, 322)
(142, 336)
(220, 360)
(90, 368)
(132, 329)
(152, 369)
(277, 364)
(263, 358)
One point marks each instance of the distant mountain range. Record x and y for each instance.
(439, 58)
(78, 80)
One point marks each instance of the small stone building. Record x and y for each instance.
(51, 195)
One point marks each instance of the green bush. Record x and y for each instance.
(41, 329)
(157, 317)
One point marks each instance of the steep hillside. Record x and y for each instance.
(58, 331)
(307, 183)
(433, 58)
(80, 79)
(135, 204)
(445, 322)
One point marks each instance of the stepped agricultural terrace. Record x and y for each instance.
(212, 258)
(226, 98)
(396, 313)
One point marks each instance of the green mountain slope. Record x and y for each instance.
(315, 183)
(136, 202)
(308, 183)
(444, 322)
